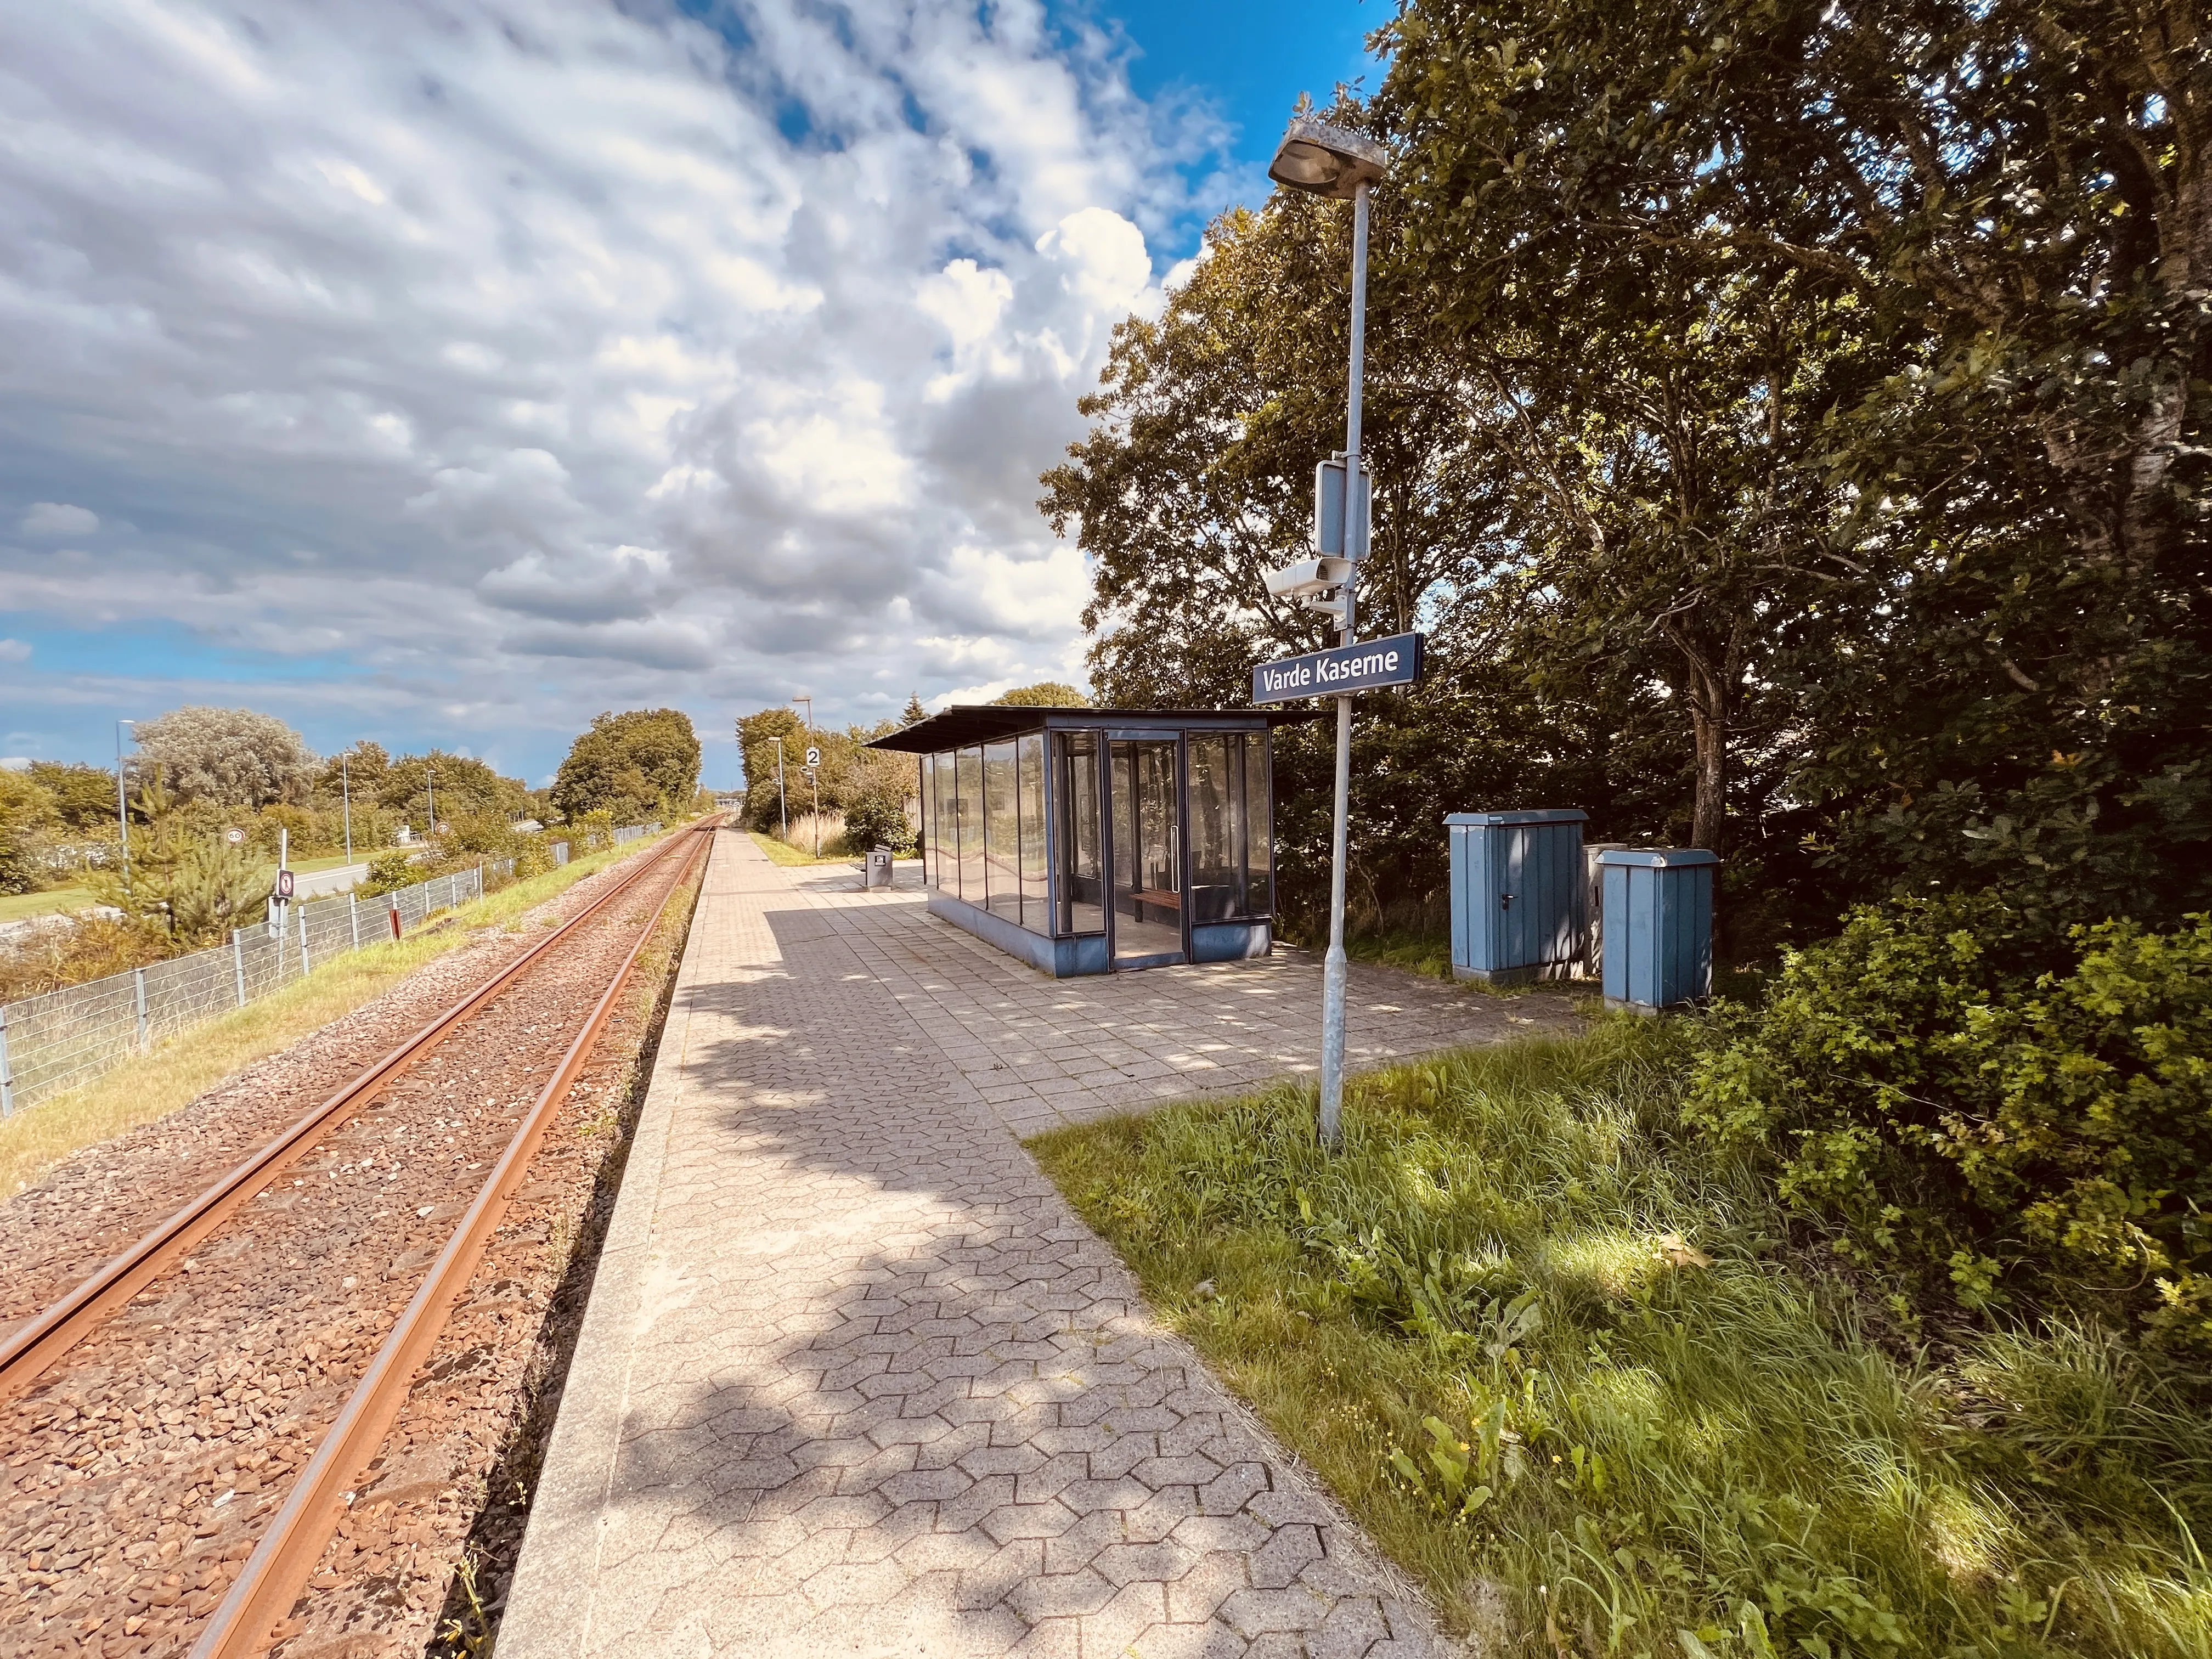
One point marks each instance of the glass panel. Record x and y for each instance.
(1253, 759)
(926, 841)
(1002, 839)
(1147, 851)
(1030, 762)
(1217, 838)
(1082, 895)
(968, 815)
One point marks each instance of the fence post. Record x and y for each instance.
(7, 1072)
(138, 996)
(353, 916)
(303, 939)
(238, 964)
(279, 985)
(395, 916)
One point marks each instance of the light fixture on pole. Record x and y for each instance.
(783, 806)
(122, 809)
(345, 794)
(1332, 161)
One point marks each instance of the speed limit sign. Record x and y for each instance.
(235, 837)
(813, 757)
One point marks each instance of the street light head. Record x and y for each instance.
(1327, 160)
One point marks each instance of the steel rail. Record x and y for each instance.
(277, 1571)
(31, 1349)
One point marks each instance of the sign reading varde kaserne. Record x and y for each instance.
(1363, 667)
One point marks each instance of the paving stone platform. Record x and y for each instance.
(855, 1380)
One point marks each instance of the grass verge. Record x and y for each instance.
(1566, 1368)
(183, 1067)
(18, 907)
(784, 853)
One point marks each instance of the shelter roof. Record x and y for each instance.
(965, 724)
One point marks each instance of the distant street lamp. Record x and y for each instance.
(345, 794)
(783, 807)
(1330, 162)
(430, 784)
(122, 809)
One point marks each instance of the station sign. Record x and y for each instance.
(1369, 665)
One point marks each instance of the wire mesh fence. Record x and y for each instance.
(54, 1042)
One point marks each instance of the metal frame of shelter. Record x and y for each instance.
(1092, 768)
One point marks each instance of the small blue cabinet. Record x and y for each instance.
(1516, 895)
(1658, 926)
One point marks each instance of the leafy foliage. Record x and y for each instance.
(231, 756)
(1949, 1107)
(640, 764)
(1045, 694)
(1793, 413)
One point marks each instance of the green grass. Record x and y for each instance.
(1488, 1325)
(785, 854)
(17, 907)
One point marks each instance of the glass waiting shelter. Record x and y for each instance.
(1085, 840)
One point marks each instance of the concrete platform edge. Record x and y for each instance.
(549, 1607)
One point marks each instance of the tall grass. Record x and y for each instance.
(1568, 1368)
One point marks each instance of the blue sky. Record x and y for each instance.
(455, 416)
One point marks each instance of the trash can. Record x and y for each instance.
(1658, 926)
(879, 866)
(1516, 895)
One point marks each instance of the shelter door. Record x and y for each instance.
(1148, 884)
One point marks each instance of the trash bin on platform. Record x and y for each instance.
(1516, 895)
(879, 866)
(1658, 926)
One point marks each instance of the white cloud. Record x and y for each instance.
(521, 361)
(15, 651)
(60, 519)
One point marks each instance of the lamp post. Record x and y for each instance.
(783, 806)
(430, 786)
(345, 795)
(1328, 161)
(122, 808)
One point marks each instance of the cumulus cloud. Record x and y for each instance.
(60, 519)
(520, 364)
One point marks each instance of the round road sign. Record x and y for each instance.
(235, 837)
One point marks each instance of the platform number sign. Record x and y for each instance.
(813, 757)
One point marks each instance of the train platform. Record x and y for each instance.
(855, 1381)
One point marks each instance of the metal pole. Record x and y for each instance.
(1334, 966)
(238, 963)
(353, 919)
(303, 938)
(138, 997)
(122, 811)
(782, 801)
(345, 788)
(430, 784)
(7, 1076)
(815, 791)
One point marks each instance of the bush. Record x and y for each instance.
(388, 874)
(1948, 1110)
(877, 820)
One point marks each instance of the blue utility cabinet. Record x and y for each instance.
(1658, 926)
(1516, 895)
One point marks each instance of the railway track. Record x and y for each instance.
(190, 1422)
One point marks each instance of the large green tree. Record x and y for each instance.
(639, 764)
